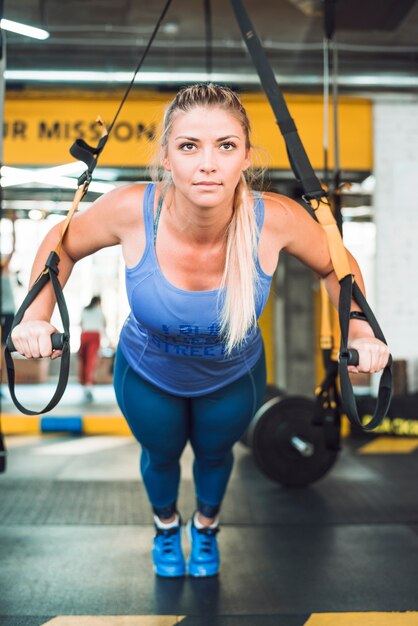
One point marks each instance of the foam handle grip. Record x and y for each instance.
(56, 338)
(353, 357)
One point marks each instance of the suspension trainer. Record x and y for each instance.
(328, 407)
(61, 341)
(317, 198)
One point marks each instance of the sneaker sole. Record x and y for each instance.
(199, 571)
(169, 572)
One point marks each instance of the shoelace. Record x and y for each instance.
(207, 536)
(167, 538)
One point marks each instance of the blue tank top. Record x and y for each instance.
(171, 336)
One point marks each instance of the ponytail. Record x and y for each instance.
(238, 315)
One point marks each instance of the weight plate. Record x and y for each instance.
(272, 435)
(271, 392)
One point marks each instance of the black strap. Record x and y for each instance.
(349, 291)
(304, 172)
(327, 409)
(299, 161)
(82, 151)
(50, 273)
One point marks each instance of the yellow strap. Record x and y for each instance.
(326, 326)
(337, 251)
(78, 196)
(330, 328)
(330, 335)
(336, 335)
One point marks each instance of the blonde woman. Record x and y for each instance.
(200, 250)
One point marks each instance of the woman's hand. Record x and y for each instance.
(373, 354)
(32, 339)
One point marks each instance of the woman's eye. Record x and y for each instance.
(228, 146)
(187, 147)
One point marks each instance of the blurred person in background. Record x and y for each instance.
(93, 328)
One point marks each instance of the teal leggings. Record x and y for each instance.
(164, 423)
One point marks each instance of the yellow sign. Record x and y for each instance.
(40, 128)
(390, 445)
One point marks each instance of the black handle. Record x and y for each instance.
(352, 357)
(60, 341)
(56, 338)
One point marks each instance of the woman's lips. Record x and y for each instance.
(204, 183)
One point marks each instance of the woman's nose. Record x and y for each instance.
(208, 161)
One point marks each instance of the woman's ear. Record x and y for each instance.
(247, 161)
(166, 164)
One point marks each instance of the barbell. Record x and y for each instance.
(286, 446)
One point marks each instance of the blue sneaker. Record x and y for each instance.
(204, 558)
(167, 553)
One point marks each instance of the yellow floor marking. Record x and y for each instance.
(409, 618)
(116, 620)
(390, 445)
(105, 425)
(14, 424)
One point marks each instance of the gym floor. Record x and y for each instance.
(77, 531)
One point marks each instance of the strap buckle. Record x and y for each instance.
(85, 178)
(314, 199)
(52, 262)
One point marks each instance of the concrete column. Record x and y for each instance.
(396, 214)
(295, 327)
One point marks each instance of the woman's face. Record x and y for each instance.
(206, 154)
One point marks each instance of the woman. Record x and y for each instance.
(92, 329)
(200, 251)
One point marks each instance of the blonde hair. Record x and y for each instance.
(240, 277)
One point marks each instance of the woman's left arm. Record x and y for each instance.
(303, 237)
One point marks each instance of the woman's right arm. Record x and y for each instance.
(105, 223)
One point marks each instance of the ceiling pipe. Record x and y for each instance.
(78, 77)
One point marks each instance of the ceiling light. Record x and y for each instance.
(36, 214)
(88, 76)
(24, 29)
(170, 28)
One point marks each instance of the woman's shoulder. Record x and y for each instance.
(109, 218)
(276, 201)
(123, 204)
(126, 194)
(281, 217)
(278, 209)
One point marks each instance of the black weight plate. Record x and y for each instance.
(271, 392)
(272, 448)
